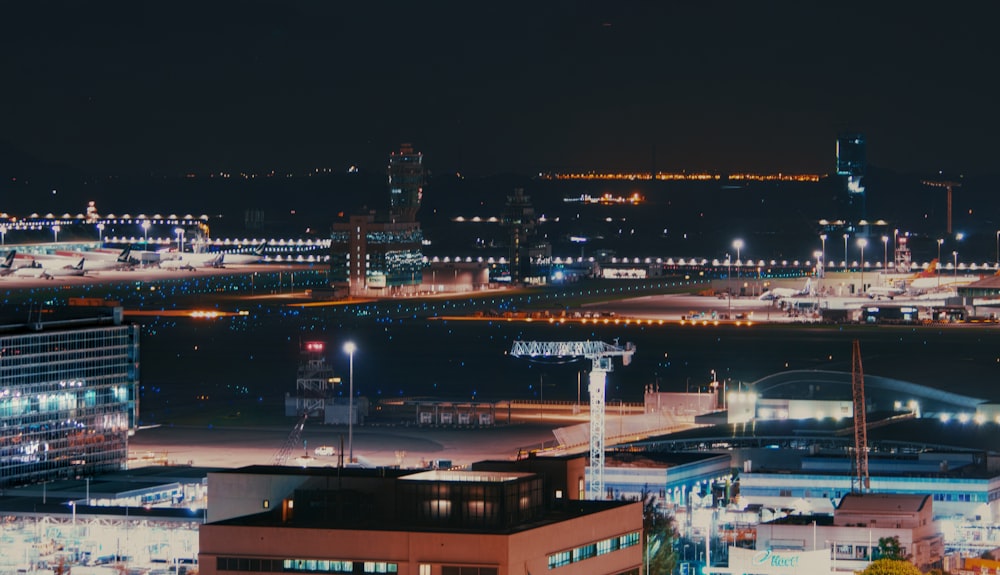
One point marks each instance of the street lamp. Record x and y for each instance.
(998, 250)
(955, 255)
(180, 239)
(738, 244)
(822, 238)
(145, 231)
(885, 253)
(3, 235)
(349, 349)
(845, 251)
(55, 233)
(939, 242)
(100, 233)
(729, 280)
(862, 242)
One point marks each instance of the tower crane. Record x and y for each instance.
(600, 354)
(860, 483)
(947, 185)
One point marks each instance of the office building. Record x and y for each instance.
(406, 183)
(857, 525)
(368, 256)
(371, 251)
(68, 380)
(279, 519)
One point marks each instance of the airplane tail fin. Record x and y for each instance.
(259, 250)
(8, 261)
(79, 266)
(808, 289)
(123, 258)
(930, 271)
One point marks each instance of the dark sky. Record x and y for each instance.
(486, 87)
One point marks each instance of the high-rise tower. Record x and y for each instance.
(406, 183)
(519, 219)
(851, 162)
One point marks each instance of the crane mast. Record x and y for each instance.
(600, 354)
(860, 482)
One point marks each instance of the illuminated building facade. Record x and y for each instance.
(396, 521)
(406, 183)
(369, 255)
(67, 395)
(851, 162)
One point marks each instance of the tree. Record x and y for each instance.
(660, 536)
(890, 567)
(889, 548)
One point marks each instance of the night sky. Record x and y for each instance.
(493, 87)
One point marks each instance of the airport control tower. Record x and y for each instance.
(406, 183)
(851, 161)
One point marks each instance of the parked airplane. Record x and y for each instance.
(254, 256)
(7, 267)
(101, 260)
(43, 271)
(778, 293)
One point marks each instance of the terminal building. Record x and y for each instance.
(68, 389)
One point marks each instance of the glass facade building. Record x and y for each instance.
(366, 254)
(67, 399)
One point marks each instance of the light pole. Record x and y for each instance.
(738, 244)
(100, 233)
(349, 349)
(862, 242)
(940, 241)
(180, 239)
(55, 233)
(845, 251)
(885, 253)
(998, 250)
(822, 238)
(145, 231)
(955, 255)
(3, 235)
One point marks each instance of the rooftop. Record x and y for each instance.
(867, 503)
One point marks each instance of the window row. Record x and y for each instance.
(593, 549)
(303, 565)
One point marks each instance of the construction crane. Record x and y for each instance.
(860, 483)
(293, 440)
(948, 185)
(600, 354)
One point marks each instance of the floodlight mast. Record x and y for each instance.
(600, 354)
